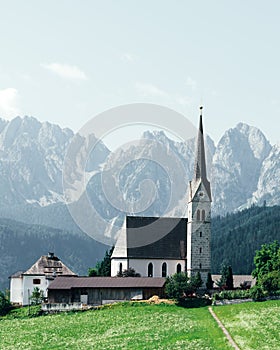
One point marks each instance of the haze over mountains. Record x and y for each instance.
(149, 178)
(245, 169)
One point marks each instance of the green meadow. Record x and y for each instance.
(253, 325)
(144, 326)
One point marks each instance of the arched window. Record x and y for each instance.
(203, 215)
(200, 234)
(150, 270)
(198, 215)
(164, 270)
(120, 268)
(179, 268)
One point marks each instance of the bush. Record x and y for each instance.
(194, 302)
(257, 293)
(5, 305)
(232, 294)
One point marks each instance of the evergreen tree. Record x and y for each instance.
(209, 282)
(226, 280)
(102, 268)
(229, 278)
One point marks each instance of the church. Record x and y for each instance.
(177, 244)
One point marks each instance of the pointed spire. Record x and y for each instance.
(200, 163)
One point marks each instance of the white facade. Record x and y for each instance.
(16, 291)
(142, 266)
(118, 265)
(22, 287)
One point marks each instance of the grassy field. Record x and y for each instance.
(121, 327)
(141, 326)
(253, 325)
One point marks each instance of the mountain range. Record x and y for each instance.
(243, 168)
(149, 177)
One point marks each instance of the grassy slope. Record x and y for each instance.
(122, 327)
(253, 325)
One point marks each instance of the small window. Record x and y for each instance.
(198, 215)
(200, 234)
(36, 281)
(179, 268)
(164, 269)
(150, 270)
(200, 266)
(120, 268)
(200, 250)
(203, 215)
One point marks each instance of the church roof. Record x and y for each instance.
(49, 265)
(156, 238)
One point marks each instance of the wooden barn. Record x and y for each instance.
(101, 290)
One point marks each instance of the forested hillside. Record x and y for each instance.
(236, 237)
(22, 244)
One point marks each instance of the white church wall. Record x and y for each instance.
(115, 265)
(141, 266)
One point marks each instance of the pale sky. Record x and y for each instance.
(66, 61)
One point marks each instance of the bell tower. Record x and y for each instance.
(199, 214)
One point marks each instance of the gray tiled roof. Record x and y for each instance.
(106, 282)
(48, 265)
(237, 280)
(167, 237)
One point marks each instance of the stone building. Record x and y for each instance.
(178, 244)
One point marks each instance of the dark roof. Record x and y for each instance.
(106, 282)
(167, 237)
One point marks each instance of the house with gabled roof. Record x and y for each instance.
(40, 274)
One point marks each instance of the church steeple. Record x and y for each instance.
(199, 214)
(200, 176)
(200, 163)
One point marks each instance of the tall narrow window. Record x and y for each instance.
(198, 215)
(164, 270)
(150, 270)
(200, 266)
(200, 234)
(203, 215)
(200, 250)
(179, 268)
(120, 268)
